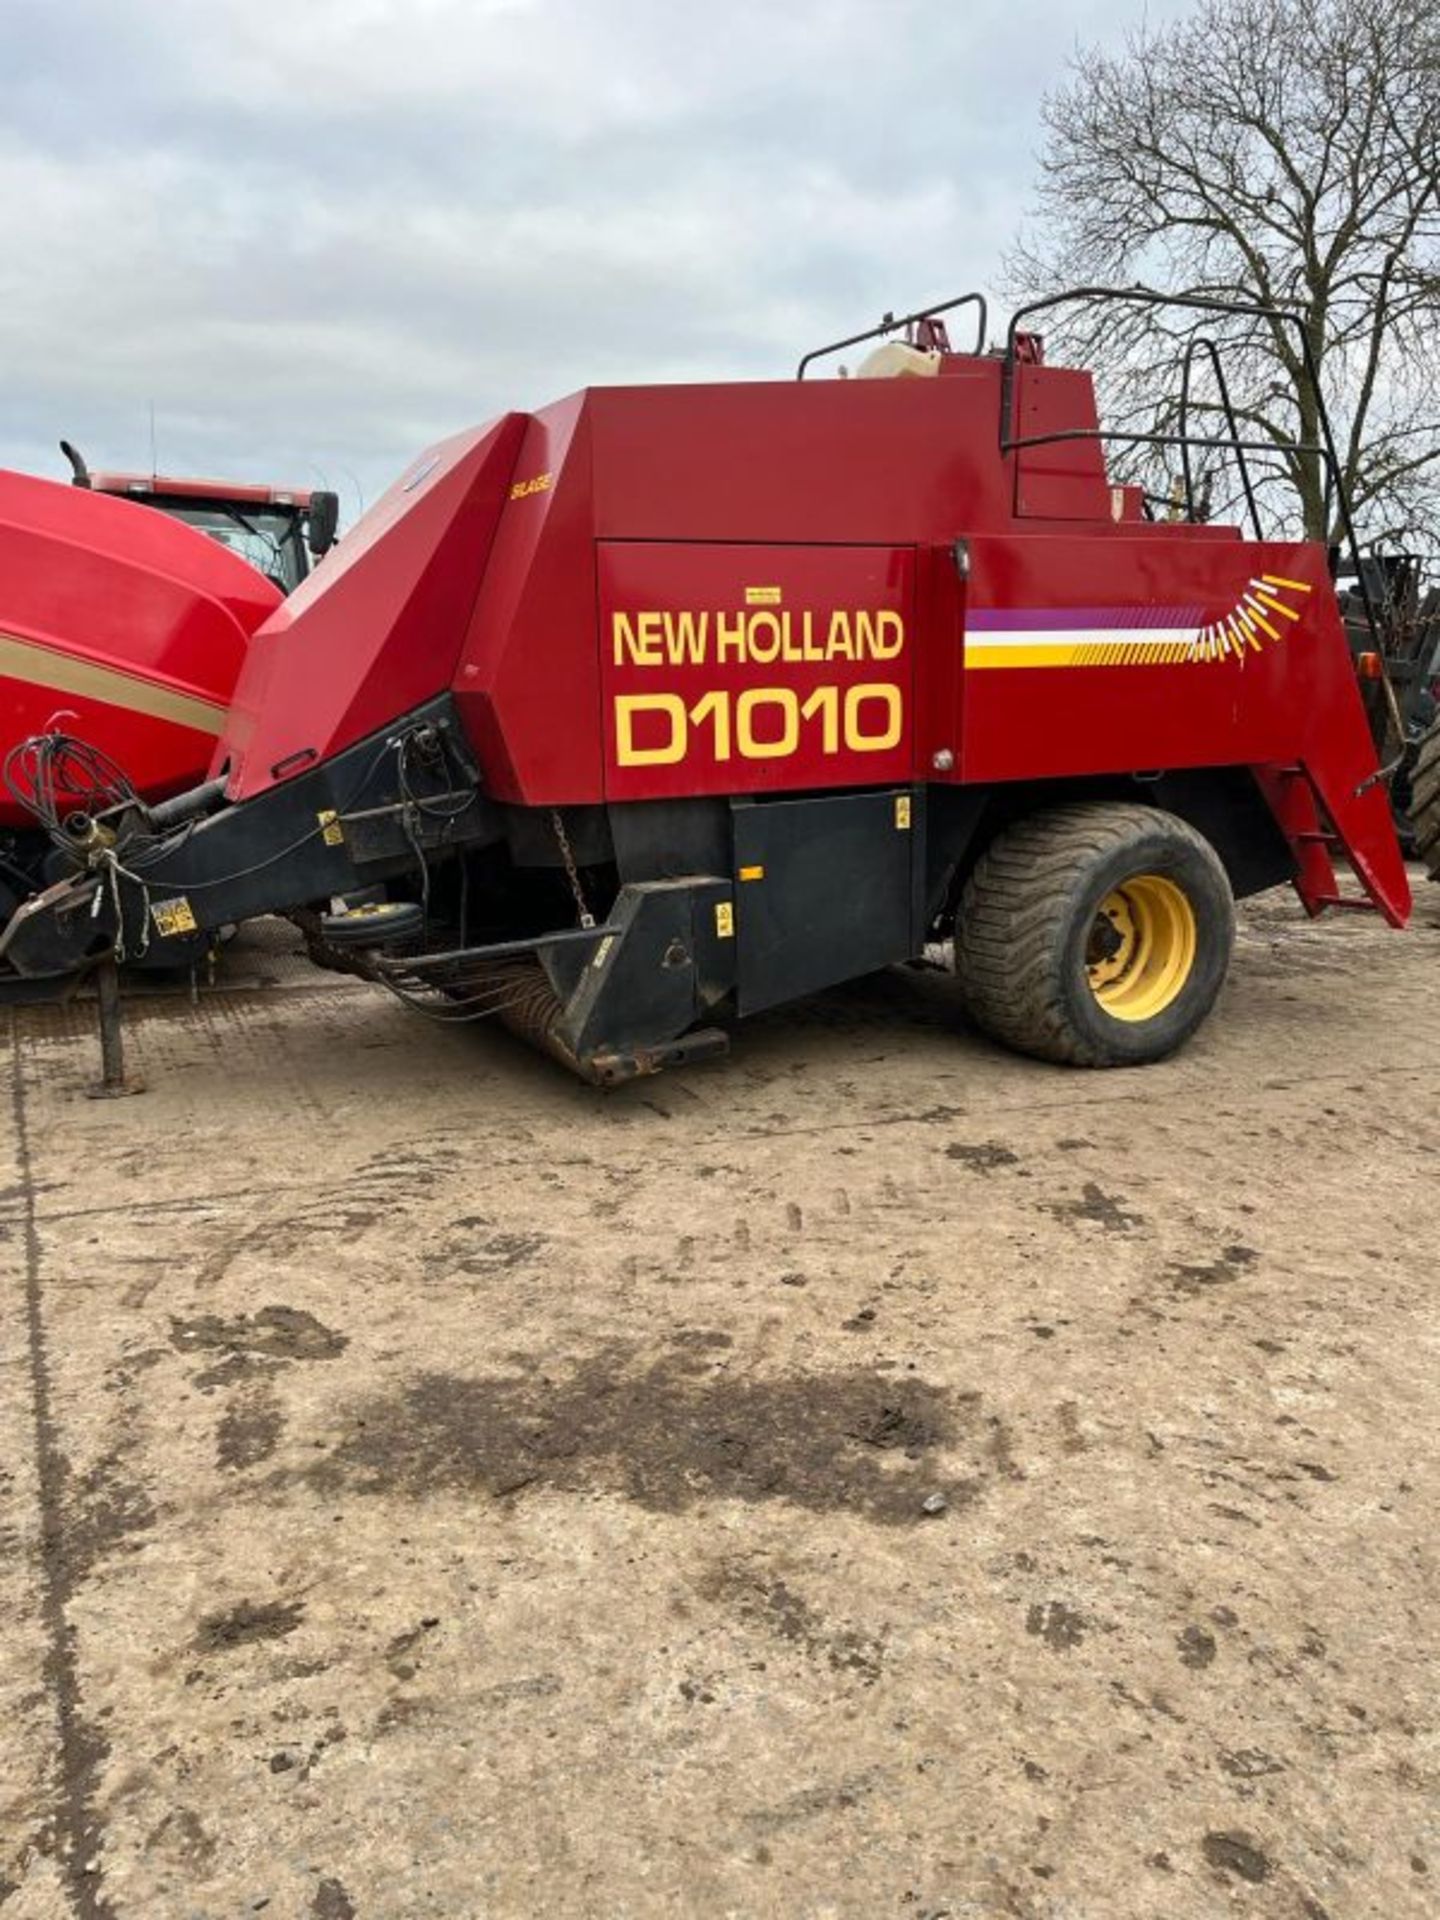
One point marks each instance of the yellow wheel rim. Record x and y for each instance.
(1141, 947)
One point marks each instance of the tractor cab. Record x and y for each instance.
(281, 531)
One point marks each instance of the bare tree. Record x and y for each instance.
(1285, 152)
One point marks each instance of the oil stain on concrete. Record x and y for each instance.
(667, 1434)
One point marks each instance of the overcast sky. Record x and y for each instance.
(319, 236)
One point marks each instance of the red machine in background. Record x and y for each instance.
(662, 705)
(126, 629)
(280, 530)
(118, 627)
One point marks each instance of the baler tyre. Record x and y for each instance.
(1425, 800)
(1097, 934)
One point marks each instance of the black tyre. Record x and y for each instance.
(1096, 934)
(1425, 800)
(373, 923)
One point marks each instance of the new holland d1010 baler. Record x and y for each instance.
(664, 705)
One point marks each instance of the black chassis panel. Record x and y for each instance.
(826, 890)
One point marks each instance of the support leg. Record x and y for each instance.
(114, 1081)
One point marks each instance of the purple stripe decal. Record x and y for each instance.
(1062, 619)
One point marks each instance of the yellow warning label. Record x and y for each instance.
(752, 873)
(724, 920)
(902, 812)
(173, 916)
(763, 596)
(331, 831)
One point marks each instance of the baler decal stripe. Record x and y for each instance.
(1259, 617)
(1107, 620)
(1128, 636)
(1275, 606)
(63, 673)
(1048, 647)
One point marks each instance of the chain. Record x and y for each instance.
(587, 919)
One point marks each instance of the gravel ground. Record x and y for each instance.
(870, 1475)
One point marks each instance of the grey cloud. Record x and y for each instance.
(317, 238)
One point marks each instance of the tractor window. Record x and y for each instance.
(267, 538)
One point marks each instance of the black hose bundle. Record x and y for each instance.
(63, 783)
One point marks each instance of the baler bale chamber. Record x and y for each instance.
(662, 706)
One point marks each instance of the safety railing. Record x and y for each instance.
(1204, 341)
(1323, 450)
(890, 324)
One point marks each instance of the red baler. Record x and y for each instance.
(666, 704)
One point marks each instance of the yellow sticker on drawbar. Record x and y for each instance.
(173, 916)
(331, 831)
(902, 812)
(724, 920)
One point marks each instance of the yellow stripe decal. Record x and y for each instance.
(63, 673)
(1040, 654)
(1275, 606)
(1259, 617)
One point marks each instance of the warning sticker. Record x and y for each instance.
(173, 916)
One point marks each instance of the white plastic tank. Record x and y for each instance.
(897, 360)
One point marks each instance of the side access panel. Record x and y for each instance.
(750, 669)
(824, 892)
(1088, 655)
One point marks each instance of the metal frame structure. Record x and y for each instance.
(1324, 449)
(889, 324)
(1192, 348)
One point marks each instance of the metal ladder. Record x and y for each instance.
(1299, 809)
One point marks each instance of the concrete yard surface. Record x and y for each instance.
(870, 1475)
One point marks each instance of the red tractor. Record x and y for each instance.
(663, 705)
(279, 530)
